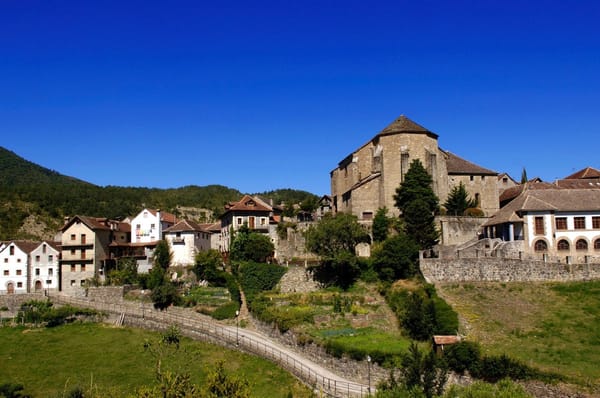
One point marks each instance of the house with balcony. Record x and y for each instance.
(250, 211)
(149, 224)
(186, 239)
(86, 250)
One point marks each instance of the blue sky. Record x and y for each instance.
(265, 95)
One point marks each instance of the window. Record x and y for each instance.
(6, 260)
(83, 254)
(539, 226)
(82, 283)
(239, 220)
(44, 248)
(19, 284)
(50, 258)
(541, 246)
(48, 282)
(82, 267)
(367, 215)
(50, 271)
(579, 222)
(37, 259)
(37, 271)
(152, 226)
(83, 239)
(12, 251)
(563, 245)
(5, 272)
(19, 272)
(72, 282)
(561, 223)
(581, 244)
(596, 222)
(72, 252)
(471, 178)
(18, 260)
(73, 268)
(73, 237)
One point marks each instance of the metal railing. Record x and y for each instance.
(225, 335)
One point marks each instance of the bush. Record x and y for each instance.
(495, 368)
(255, 278)
(463, 356)
(226, 311)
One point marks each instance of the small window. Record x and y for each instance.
(541, 246)
(73, 251)
(37, 271)
(561, 223)
(50, 271)
(6, 260)
(73, 237)
(471, 178)
(596, 222)
(5, 272)
(597, 244)
(82, 283)
(581, 244)
(12, 251)
(50, 258)
(83, 254)
(18, 260)
(83, 239)
(505, 180)
(48, 282)
(539, 226)
(367, 215)
(579, 222)
(239, 220)
(19, 284)
(563, 245)
(72, 282)
(82, 267)
(19, 272)
(37, 259)
(73, 268)
(44, 248)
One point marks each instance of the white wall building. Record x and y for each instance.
(44, 267)
(149, 224)
(14, 266)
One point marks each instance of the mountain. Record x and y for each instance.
(35, 200)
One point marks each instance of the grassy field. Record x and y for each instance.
(551, 326)
(50, 362)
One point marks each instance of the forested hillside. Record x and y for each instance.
(34, 200)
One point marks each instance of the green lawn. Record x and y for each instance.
(50, 361)
(551, 326)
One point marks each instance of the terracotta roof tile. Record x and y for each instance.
(588, 172)
(248, 203)
(27, 246)
(405, 125)
(185, 226)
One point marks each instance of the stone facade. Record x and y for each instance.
(367, 179)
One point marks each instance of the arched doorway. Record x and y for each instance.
(10, 288)
(38, 286)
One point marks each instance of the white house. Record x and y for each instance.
(185, 240)
(14, 266)
(44, 267)
(149, 224)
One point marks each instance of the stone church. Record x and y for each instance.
(366, 179)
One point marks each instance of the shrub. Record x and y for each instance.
(463, 356)
(226, 311)
(255, 278)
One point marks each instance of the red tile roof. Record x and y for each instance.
(248, 203)
(458, 165)
(164, 216)
(588, 172)
(185, 226)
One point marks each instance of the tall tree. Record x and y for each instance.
(162, 255)
(396, 258)
(248, 245)
(381, 225)
(524, 178)
(458, 201)
(418, 205)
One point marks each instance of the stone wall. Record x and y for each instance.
(459, 230)
(293, 246)
(504, 270)
(109, 294)
(13, 301)
(297, 280)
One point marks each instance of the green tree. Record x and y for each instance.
(164, 295)
(396, 258)
(381, 225)
(335, 234)
(418, 205)
(162, 256)
(334, 239)
(208, 265)
(524, 178)
(458, 201)
(251, 246)
(126, 272)
(219, 384)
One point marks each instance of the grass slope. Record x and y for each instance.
(554, 327)
(50, 362)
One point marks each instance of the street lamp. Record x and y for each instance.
(237, 326)
(369, 370)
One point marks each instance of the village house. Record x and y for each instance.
(250, 211)
(187, 238)
(149, 224)
(14, 263)
(367, 178)
(556, 222)
(86, 251)
(44, 267)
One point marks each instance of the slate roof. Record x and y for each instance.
(550, 199)
(458, 165)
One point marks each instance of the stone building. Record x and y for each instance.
(367, 179)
